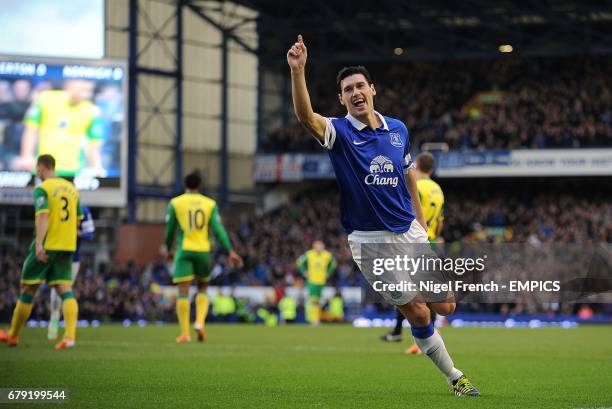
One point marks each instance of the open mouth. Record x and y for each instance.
(360, 102)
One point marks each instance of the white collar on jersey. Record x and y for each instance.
(360, 125)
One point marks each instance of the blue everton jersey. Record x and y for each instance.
(370, 166)
(86, 228)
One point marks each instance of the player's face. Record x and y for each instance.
(357, 95)
(42, 172)
(79, 90)
(21, 90)
(318, 246)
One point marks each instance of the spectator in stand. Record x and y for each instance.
(271, 242)
(517, 103)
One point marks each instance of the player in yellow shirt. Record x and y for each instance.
(432, 202)
(57, 206)
(192, 214)
(67, 125)
(431, 196)
(315, 265)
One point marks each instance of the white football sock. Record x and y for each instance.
(434, 348)
(56, 307)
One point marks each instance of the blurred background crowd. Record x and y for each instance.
(517, 103)
(270, 244)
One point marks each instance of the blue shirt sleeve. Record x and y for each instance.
(87, 226)
(408, 163)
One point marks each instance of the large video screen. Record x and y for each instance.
(52, 28)
(73, 110)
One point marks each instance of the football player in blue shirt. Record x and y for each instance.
(85, 231)
(379, 201)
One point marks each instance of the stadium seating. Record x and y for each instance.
(533, 103)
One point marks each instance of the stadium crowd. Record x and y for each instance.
(105, 293)
(508, 103)
(271, 243)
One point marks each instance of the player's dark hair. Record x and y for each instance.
(352, 70)
(425, 162)
(47, 161)
(193, 180)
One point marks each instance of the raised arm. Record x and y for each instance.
(315, 123)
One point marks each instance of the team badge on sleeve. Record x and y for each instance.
(396, 140)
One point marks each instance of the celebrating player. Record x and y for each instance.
(67, 125)
(316, 265)
(85, 232)
(378, 195)
(58, 210)
(432, 202)
(191, 214)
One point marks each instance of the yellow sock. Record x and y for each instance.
(71, 313)
(201, 308)
(182, 312)
(317, 313)
(22, 312)
(313, 310)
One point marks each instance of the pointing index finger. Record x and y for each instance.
(300, 39)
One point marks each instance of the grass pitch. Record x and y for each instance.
(298, 366)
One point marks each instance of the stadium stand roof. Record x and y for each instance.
(345, 30)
